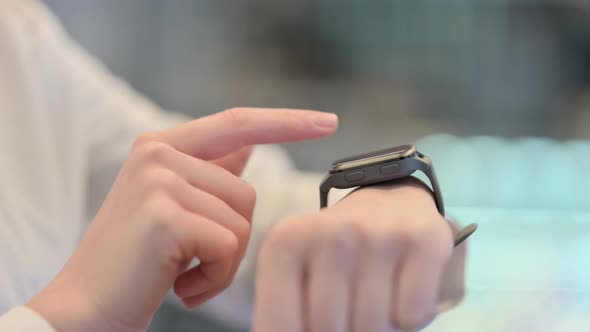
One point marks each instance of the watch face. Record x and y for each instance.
(372, 158)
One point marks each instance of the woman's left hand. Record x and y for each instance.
(375, 262)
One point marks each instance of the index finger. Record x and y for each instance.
(217, 135)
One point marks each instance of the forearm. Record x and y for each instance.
(64, 306)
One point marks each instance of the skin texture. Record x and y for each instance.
(373, 262)
(177, 197)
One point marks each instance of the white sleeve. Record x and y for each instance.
(113, 114)
(108, 115)
(88, 116)
(23, 319)
(104, 113)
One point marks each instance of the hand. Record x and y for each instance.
(178, 197)
(373, 262)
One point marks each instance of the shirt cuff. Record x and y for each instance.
(23, 319)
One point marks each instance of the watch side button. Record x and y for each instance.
(355, 176)
(390, 169)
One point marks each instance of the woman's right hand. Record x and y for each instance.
(178, 197)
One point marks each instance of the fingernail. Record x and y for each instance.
(326, 120)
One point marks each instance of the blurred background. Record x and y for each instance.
(395, 71)
(404, 68)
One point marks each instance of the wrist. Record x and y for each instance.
(68, 308)
(410, 184)
(62, 311)
(409, 188)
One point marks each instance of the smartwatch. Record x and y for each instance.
(385, 166)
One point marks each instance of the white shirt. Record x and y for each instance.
(66, 125)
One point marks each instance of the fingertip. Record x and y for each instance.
(325, 121)
(189, 303)
(177, 289)
(191, 283)
(185, 304)
(416, 320)
(192, 302)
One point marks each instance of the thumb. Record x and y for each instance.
(235, 162)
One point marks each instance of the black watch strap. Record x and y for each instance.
(459, 237)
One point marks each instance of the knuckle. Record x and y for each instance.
(416, 236)
(236, 117)
(161, 216)
(394, 237)
(294, 118)
(385, 240)
(431, 238)
(162, 179)
(153, 151)
(286, 239)
(438, 241)
(243, 198)
(242, 230)
(161, 213)
(249, 194)
(144, 138)
(343, 238)
(414, 233)
(228, 245)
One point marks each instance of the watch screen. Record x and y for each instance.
(401, 150)
(373, 157)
